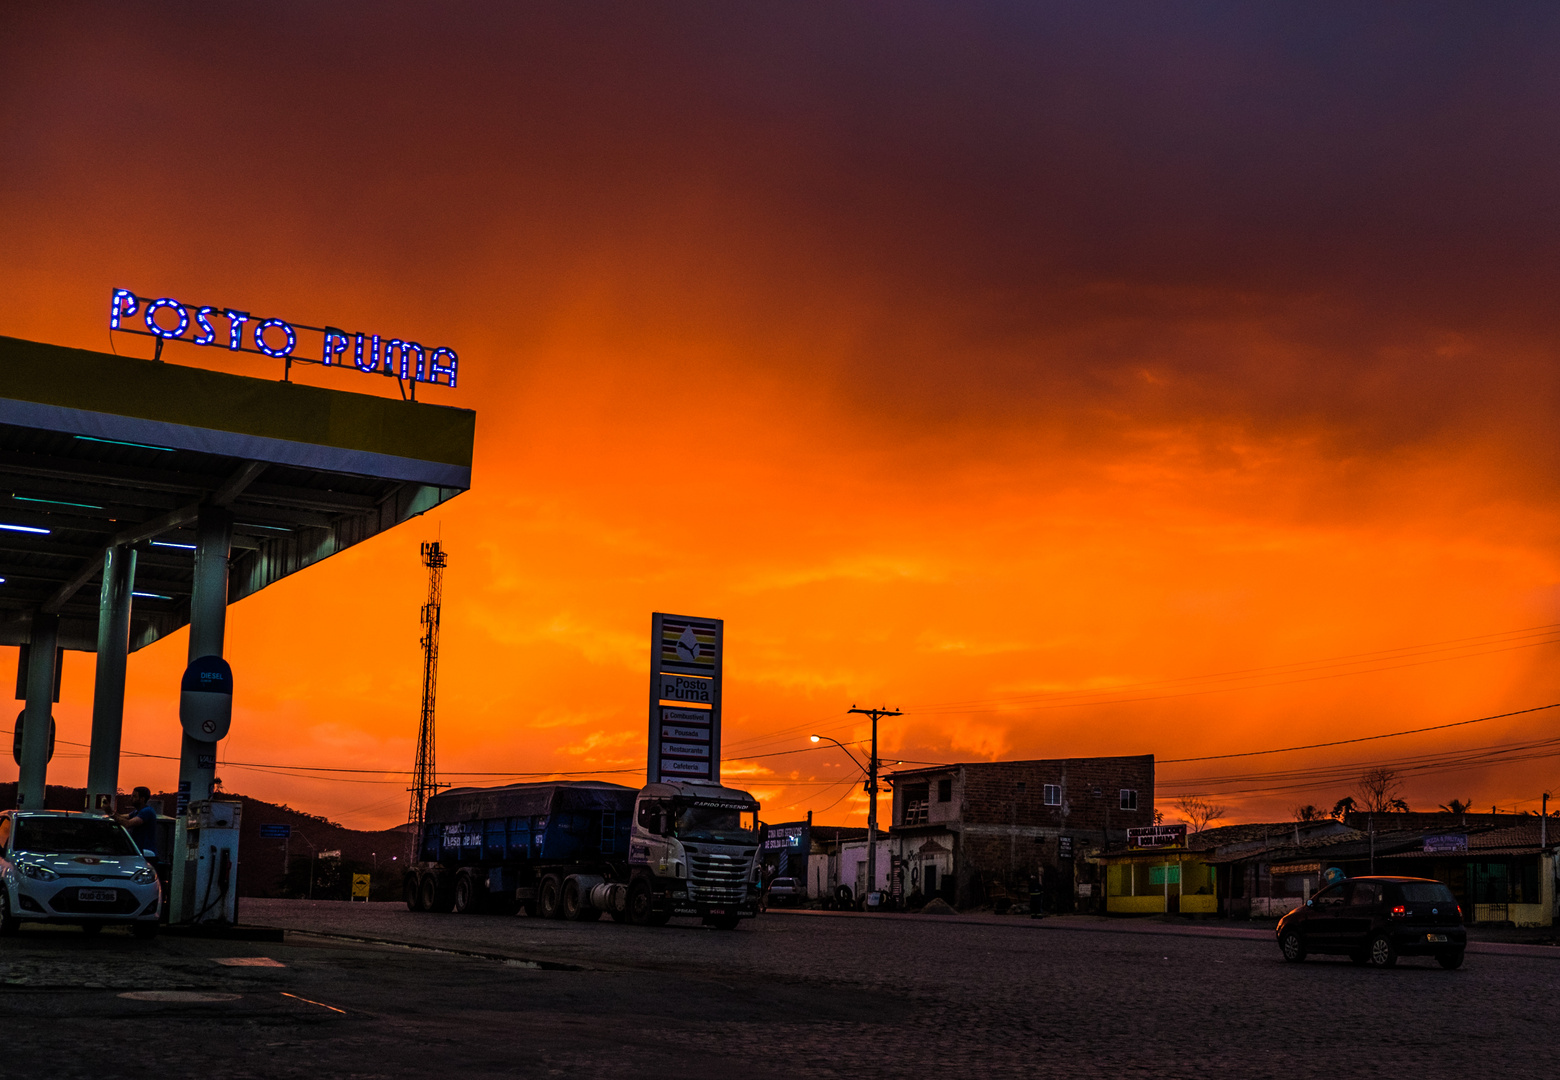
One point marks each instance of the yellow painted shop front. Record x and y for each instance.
(1152, 883)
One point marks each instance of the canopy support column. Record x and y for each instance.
(39, 720)
(108, 690)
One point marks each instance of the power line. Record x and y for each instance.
(1247, 678)
(1300, 780)
(1363, 738)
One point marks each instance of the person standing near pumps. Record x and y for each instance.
(141, 822)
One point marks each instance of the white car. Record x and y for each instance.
(74, 868)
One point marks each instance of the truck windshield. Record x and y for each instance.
(71, 836)
(714, 822)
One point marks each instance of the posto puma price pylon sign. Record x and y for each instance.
(685, 677)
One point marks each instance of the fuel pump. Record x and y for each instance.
(212, 859)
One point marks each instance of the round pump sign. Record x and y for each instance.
(206, 698)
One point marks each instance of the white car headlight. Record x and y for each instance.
(38, 873)
(144, 876)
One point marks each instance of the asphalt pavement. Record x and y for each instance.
(372, 990)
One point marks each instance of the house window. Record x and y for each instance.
(915, 804)
(1053, 794)
(945, 790)
(1128, 799)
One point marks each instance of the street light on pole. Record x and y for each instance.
(872, 792)
(870, 771)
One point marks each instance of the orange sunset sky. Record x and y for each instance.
(1082, 379)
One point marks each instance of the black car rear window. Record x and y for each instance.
(1427, 892)
(71, 836)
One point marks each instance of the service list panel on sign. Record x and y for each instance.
(685, 691)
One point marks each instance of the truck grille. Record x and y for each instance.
(717, 878)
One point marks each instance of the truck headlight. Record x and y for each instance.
(38, 873)
(144, 876)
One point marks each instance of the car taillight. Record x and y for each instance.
(1399, 911)
(1459, 913)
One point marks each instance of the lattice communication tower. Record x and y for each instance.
(425, 779)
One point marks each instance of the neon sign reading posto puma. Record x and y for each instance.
(168, 319)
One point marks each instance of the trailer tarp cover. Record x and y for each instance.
(528, 800)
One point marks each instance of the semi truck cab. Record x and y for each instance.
(693, 851)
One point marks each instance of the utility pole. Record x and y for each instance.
(424, 777)
(872, 792)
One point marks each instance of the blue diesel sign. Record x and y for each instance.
(167, 319)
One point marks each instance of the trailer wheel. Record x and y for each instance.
(576, 906)
(410, 892)
(469, 893)
(434, 892)
(549, 898)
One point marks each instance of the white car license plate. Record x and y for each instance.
(97, 896)
(1436, 937)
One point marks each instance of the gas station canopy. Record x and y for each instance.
(98, 450)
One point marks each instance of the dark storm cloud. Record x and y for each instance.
(1005, 204)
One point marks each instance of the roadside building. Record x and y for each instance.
(786, 848)
(1501, 867)
(827, 869)
(852, 866)
(1012, 832)
(1213, 872)
(1499, 875)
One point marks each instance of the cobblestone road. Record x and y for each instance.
(790, 995)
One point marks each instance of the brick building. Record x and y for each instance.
(1013, 831)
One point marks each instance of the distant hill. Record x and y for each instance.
(260, 862)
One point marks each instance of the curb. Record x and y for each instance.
(1233, 933)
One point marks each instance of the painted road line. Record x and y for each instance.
(248, 961)
(311, 1001)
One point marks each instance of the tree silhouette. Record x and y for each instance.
(1308, 813)
(1378, 792)
(1198, 812)
(1343, 807)
(1457, 806)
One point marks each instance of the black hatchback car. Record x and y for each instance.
(1375, 920)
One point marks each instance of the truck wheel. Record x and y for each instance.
(469, 893)
(641, 905)
(434, 892)
(549, 897)
(576, 907)
(410, 892)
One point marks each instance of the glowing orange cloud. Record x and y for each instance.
(998, 366)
